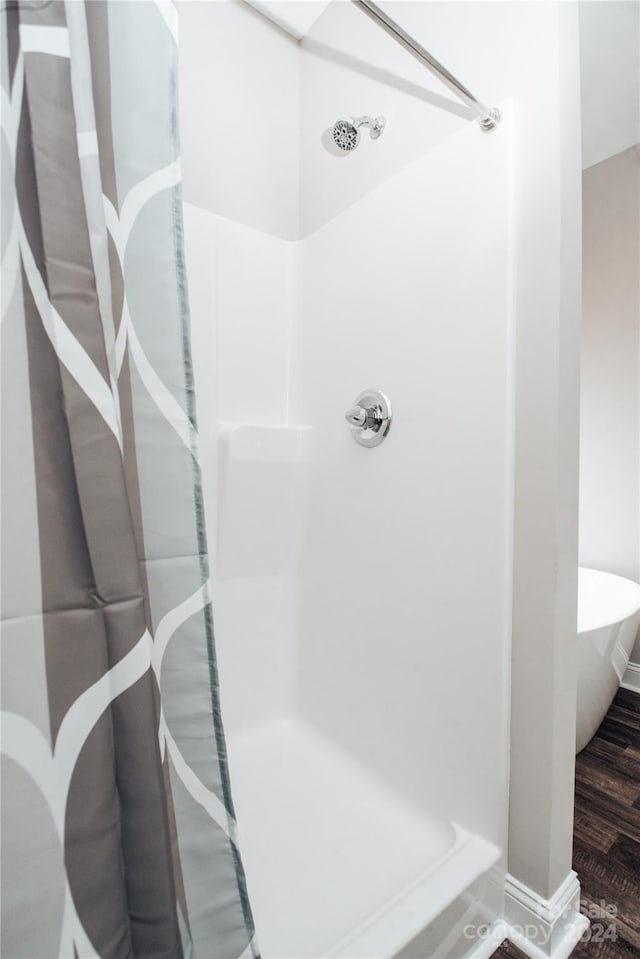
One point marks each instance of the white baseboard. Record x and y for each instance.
(631, 678)
(544, 928)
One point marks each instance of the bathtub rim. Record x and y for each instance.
(606, 620)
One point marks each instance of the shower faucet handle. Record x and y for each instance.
(370, 417)
(359, 416)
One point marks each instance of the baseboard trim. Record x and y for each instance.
(631, 678)
(544, 928)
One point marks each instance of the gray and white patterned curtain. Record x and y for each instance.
(118, 834)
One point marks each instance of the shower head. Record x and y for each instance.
(346, 133)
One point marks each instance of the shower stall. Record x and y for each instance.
(369, 495)
(361, 592)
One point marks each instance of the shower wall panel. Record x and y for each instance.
(240, 115)
(254, 468)
(405, 602)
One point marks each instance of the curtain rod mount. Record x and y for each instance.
(488, 118)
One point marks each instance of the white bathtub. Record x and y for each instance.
(608, 620)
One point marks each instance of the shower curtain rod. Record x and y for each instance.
(489, 118)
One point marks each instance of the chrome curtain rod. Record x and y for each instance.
(489, 118)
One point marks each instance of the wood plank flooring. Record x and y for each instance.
(606, 835)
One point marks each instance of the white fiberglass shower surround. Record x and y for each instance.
(362, 596)
(339, 571)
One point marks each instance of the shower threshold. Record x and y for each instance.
(337, 862)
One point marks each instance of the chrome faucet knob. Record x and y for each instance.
(370, 417)
(358, 416)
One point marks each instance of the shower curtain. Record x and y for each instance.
(118, 832)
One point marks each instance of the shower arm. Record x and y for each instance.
(488, 118)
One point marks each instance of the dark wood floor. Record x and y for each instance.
(606, 846)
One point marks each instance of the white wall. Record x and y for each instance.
(240, 133)
(548, 165)
(240, 290)
(610, 67)
(239, 76)
(405, 577)
(350, 67)
(240, 115)
(610, 397)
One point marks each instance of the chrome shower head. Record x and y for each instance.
(346, 136)
(346, 133)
